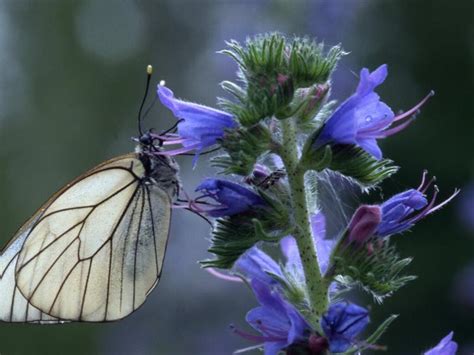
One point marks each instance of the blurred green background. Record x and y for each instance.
(72, 76)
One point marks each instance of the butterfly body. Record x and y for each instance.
(95, 250)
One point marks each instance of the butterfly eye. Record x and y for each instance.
(146, 139)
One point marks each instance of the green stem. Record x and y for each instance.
(317, 287)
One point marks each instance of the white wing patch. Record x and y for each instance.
(13, 306)
(93, 253)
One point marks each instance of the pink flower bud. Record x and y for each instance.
(364, 223)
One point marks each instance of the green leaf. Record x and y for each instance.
(382, 328)
(375, 336)
(234, 235)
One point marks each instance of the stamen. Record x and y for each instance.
(167, 136)
(415, 108)
(179, 150)
(223, 276)
(173, 141)
(432, 180)
(423, 179)
(375, 127)
(393, 130)
(248, 336)
(455, 193)
(430, 205)
(426, 210)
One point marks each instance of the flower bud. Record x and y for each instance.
(364, 223)
(308, 101)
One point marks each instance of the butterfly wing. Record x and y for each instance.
(14, 307)
(96, 249)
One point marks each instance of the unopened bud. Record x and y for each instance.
(364, 223)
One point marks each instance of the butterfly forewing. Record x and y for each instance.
(95, 250)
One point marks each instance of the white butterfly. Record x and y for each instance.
(95, 250)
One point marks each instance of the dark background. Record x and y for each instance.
(72, 76)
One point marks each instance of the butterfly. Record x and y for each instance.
(94, 251)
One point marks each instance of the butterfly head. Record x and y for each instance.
(160, 169)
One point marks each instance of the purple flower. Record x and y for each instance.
(231, 198)
(342, 323)
(278, 322)
(363, 118)
(199, 126)
(403, 210)
(258, 265)
(445, 347)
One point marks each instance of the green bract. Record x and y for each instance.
(272, 69)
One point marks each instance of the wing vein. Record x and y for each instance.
(61, 286)
(136, 250)
(49, 269)
(152, 219)
(85, 291)
(124, 248)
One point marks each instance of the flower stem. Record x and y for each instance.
(316, 286)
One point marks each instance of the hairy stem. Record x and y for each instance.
(317, 288)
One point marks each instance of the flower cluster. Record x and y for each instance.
(277, 136)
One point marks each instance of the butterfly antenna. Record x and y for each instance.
(147, 111)
(149, 71)
(172, 128)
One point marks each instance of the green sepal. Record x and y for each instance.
(374, 337)
(272, 68)
(310, 64)
(233, 236)
(262, 54)
(307, 102)
(243, 146)
(354, 162)
(317, 160)
(375, 267)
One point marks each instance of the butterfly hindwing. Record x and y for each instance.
(14, 307)
(96, 248)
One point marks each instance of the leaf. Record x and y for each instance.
(378, 272)
(353, 162)
(375, 336)
(234, 235)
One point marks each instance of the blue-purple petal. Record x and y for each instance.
(342, 323)
(277, 320)
(232, 198)
(369, 81)
(362, 118)
(397, 210)
(201, 126)
(445, 347)
(256, 265)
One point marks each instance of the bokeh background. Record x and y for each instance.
(72, 76)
